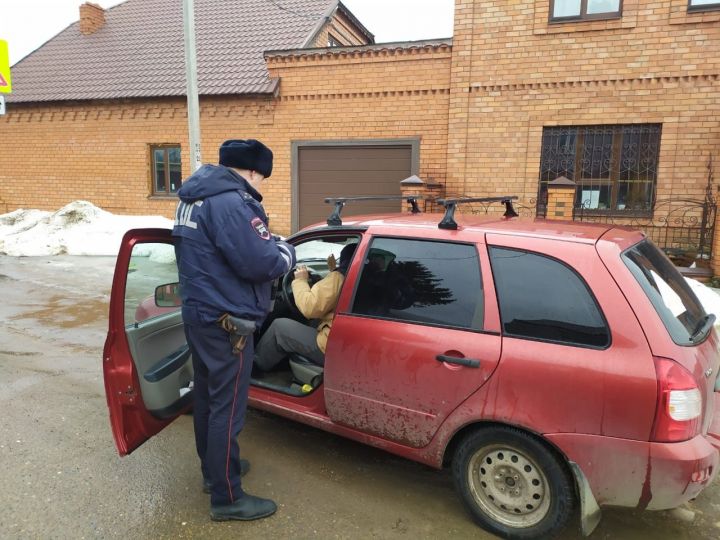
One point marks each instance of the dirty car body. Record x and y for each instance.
(554, 366)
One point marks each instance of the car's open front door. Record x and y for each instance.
(146, 362)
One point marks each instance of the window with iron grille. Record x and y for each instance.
(568, 10)
(614, 167)
(699, 5)
(166, 169)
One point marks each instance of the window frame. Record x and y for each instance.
(614, 173)
(483, 283)
(660, 307)
(153, 169)
(583, 281)
(701, 7)
(332, 41)
(131, 321)
(584, 16)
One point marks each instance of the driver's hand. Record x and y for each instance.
(302, 273)
(331, 262)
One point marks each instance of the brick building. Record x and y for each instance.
(99, 113)
(619, 96)
(624, 102)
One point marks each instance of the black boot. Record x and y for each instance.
(247, 508)
(244, 469)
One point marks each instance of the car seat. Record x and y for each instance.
(305, 370)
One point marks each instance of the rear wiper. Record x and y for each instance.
(703, 326)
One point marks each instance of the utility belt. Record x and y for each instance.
(238, 329)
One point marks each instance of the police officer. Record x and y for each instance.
(227, 259)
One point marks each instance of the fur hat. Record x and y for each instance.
(250, 154)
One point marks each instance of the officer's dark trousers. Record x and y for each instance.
(220, 390)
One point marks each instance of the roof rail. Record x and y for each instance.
(339, 202)
(448, 220)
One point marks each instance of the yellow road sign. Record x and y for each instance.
(5, 81)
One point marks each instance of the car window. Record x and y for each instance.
(673, 299)
(543, 299)
(315, 252)
(427, 282)
(151, 265)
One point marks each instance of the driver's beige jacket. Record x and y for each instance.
(319, 302)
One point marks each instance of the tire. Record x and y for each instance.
(513, 484)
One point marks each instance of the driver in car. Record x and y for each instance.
(285, 336)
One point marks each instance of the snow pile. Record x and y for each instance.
(159, 253)
(19, 221)
(708, 297)
(80, 228)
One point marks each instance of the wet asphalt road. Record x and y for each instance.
(60, 476)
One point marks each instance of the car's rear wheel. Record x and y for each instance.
(512, 484)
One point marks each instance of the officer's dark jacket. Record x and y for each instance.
(225, 253)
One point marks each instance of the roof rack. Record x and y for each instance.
(448, 220)
(339, 202)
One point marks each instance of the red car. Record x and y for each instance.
(555, 367)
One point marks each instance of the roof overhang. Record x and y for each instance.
(397, 45)
(345, 11)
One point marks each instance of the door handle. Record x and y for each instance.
(467, 362)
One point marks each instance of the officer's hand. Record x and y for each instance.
(331, 262)
(302, 273)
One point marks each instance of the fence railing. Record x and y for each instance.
(683, 228)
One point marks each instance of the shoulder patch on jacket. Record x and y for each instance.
(260, 228)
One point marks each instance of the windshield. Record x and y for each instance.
(673, 299)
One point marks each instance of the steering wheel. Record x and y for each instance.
(286, 289)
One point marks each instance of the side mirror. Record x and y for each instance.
(168, 295)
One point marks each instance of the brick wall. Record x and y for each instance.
(54, 154)
(513, 72)
(374, 94)
(100, 151)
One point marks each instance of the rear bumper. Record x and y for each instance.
(680, 471)
(641, 474)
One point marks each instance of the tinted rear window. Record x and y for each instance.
(680, 310)
(544, 299)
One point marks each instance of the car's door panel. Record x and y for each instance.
(392, 385)
(597, 380)
(163, 362)
(147, 372)
(385, 375)
(168, 364)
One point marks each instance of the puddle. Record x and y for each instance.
(56, 312)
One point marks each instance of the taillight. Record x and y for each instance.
(679, 409)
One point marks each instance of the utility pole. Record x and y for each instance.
(192, 84)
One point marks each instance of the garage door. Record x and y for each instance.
(348, 171)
